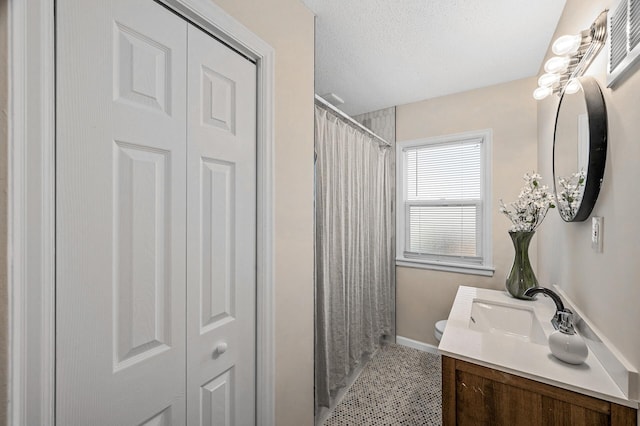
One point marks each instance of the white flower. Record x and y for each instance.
(531, 207)
(570, 194)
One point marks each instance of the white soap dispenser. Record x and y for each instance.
(565, 343)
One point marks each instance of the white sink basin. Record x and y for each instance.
(518, 322)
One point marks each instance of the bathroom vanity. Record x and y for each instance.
(498, 370)
(477, 395)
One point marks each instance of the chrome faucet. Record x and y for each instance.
(563, 318)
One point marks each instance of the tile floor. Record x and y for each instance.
(399, 386)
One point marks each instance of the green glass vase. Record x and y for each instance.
(521, 278)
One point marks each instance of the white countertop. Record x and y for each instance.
(525, 359)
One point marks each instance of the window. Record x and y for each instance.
(444, 212)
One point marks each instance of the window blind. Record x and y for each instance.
(444, 200)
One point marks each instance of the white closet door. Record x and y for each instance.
(221, 229)
(121, 214)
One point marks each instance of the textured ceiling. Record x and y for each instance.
(379, 53)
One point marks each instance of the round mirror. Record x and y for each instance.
(579, 148)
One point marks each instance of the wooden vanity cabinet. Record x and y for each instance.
(476, 395)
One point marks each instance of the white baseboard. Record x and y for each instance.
(405, 341)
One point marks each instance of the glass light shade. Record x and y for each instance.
(573, 86)
(548, 79)
(542, 92)
(566, 44)
(557, 64)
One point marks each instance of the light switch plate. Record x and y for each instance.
(597, 224)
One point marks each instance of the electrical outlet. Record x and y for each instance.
(596, 233)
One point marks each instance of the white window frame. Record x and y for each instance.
(482, 267)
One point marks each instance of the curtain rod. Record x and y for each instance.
(349, 120)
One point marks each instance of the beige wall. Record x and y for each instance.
(425, 296)
(288, 27)
(606, 286)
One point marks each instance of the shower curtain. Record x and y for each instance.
(354, 257)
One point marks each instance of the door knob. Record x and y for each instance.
(221, 348)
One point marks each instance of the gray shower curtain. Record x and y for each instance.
(354, 257)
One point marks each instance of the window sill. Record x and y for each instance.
(486, 271)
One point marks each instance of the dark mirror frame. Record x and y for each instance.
(597, 115)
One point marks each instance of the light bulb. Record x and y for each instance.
(557, 64)
(573, 86)
(566, 44)
(548, 79)
(542, 92)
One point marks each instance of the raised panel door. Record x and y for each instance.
(121, 214)
(221, 229)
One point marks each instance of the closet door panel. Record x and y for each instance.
(221, 229)
(121, 213)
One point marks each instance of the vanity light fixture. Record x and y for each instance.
(575, 54)
(573, 86)
(548, 79)
(557, 65)
(567, 44)
(542, 92)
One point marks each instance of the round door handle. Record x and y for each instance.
(221, 348)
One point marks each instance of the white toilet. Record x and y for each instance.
(439, 329)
